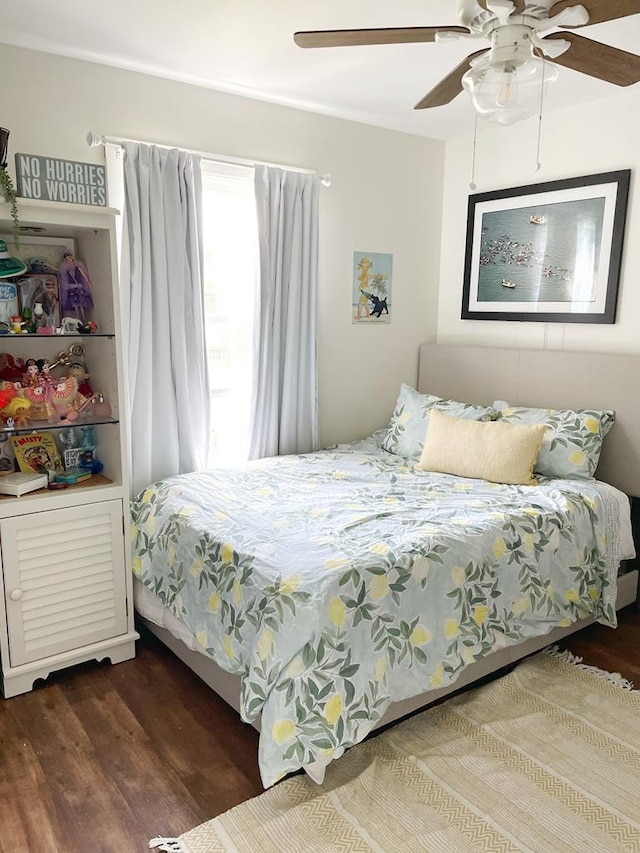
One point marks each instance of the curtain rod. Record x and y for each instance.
(95, 140)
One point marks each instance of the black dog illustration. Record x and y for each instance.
(379, 305)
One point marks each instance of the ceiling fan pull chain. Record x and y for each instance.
(538, 163)
(472, 185)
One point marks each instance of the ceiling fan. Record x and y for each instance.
(505, 79)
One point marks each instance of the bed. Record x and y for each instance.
(327, 594)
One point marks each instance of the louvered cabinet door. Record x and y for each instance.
(64, 579)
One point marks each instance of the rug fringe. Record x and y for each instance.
(568, 657)
(170, 845)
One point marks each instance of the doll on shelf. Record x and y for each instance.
(79, 373)
(45, 377)
(74, 287)
(31, 377)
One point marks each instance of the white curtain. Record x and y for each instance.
(284, 405)
(162, 257)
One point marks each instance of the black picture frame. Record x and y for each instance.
(548, 252)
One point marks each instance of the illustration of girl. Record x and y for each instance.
(364, 266)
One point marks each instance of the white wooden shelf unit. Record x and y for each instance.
(66, 586)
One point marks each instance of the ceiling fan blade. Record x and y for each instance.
(598, 60)
(449, 87)
(388, 35)
(600, 10)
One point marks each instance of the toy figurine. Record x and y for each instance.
(75, 287)
(19, 411)
(13, 407)
(70, 325)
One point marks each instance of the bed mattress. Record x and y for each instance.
(337, 582)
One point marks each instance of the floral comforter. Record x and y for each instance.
(337, 582)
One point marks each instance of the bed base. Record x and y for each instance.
(227, 686)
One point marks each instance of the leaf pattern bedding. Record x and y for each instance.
(339, 581)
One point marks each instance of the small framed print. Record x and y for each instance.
(71, 458)
(371, 287)
(40, 290)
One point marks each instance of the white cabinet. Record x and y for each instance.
(66, 586)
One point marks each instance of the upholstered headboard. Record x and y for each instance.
(553, 379)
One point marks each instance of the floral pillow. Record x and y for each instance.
(572, 441)
(408, 427)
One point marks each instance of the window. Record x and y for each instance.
(230, 236)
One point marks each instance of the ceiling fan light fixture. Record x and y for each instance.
(505, 85)
(508, 94)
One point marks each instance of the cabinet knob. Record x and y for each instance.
(15, 594)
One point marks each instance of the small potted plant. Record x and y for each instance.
(6, 184)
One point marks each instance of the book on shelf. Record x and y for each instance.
(20, 484)
(74, 475)
(37, 452)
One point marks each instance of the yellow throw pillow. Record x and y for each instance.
(494, 451)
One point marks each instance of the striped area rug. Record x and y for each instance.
(545, 759)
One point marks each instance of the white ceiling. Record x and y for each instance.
(246, 47)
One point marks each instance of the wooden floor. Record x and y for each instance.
(103, 758)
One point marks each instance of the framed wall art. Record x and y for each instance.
(371, 287)
(547, 252)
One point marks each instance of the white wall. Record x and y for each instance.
(386, 197)
(598, 137)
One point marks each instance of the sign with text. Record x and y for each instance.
(51, 179)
